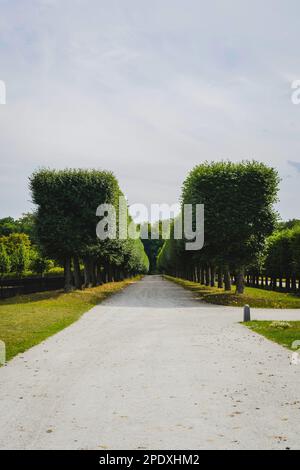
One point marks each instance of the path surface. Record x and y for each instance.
(152, 368)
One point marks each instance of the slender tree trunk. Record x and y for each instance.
(220, 278)
(212, 276)
(202, 280)
(240, 281)
(294, 284)
(77, 274)
(99, 275)
(68, 275)
(198, 274)
(93, 274)
(87, 273)
(207, 276)
(110, 274)
(104, 274)
(227, 280)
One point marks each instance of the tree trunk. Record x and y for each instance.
(199, 274)
(220, 278)
(227, 280)
(110, 274)
(99, 275)
(212, 276)
(87, 273)
(207, 276)
(93, 273)
(240, 281)
(77, 274)
(202, 281)
(68, 275)
(294, 284)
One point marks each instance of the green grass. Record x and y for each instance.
(254, 297)
(284, 336)
(27, 320)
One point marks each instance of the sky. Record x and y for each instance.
(147, 89)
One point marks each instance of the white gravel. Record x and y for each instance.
(152, 368)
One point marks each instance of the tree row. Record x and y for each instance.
(239, 215)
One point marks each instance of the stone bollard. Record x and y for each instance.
(247, 315)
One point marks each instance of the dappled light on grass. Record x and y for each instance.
(259, 298)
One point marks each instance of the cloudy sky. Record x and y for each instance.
(148, 89)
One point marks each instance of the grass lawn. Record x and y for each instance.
(252, 296)
(284, 333)
(27, 320)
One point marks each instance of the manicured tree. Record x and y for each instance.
(66, 222)
(152, 247)
(296, 253)
(239, 214)
(172, 257)
(66, 217)
(283, 257)
(279, 258)
(138, 262)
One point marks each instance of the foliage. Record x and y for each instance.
(20, 259)
(239, 215)
(25, 225)
(66, 225)
(282, 258)
(40, 265)
(153, 246)
(18, 249)
(7, 226)
(5, 263)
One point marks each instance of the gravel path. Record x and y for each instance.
(152, 368)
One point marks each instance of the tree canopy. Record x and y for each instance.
(66, 221)
(239, 214)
